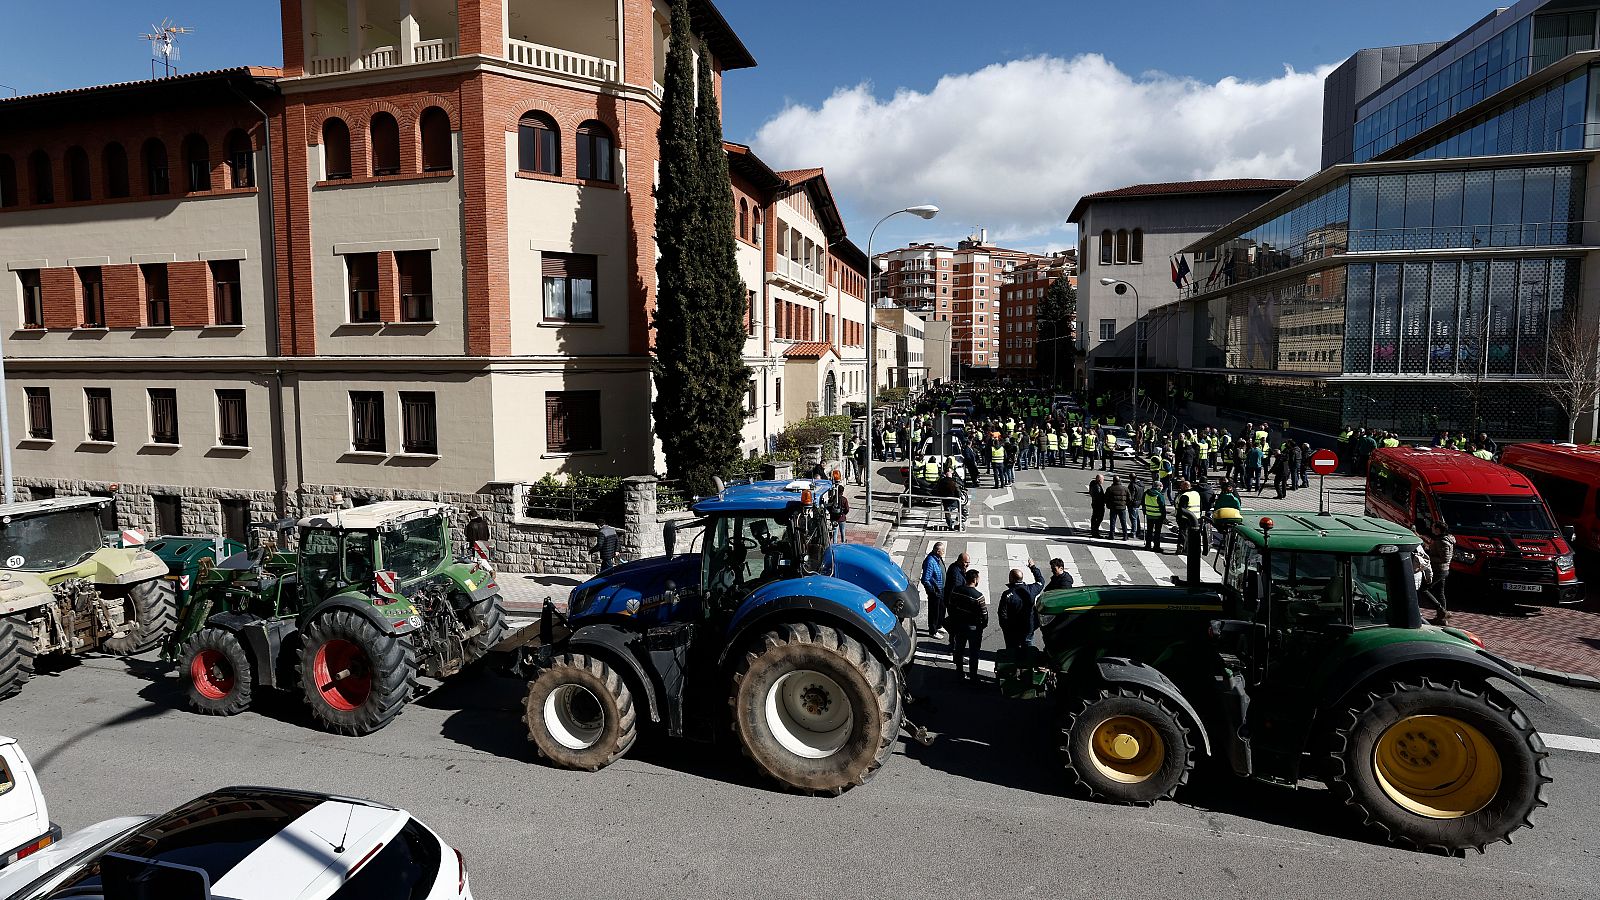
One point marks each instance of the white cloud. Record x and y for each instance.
(1012, 146)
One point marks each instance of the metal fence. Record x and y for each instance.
(574, 503)
(672, 496)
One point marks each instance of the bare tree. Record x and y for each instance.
(1572, 371)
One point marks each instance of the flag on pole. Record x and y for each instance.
(1180, 271)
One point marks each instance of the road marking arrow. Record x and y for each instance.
(992, 502)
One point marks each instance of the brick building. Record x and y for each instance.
(418, 259)
(1019, 302)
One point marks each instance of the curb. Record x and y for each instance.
(1571, 679)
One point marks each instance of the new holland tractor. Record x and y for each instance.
(373, 598)
(62, 591)
(1309, 660)
(763, 627)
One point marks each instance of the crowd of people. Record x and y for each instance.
(1357, 443)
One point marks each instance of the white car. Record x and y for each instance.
(249, 843)
(25, 826)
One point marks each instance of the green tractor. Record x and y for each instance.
(1309, 660)
(62, 591)
(373, 599)
(191, 565)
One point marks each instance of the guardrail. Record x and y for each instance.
(561, 62)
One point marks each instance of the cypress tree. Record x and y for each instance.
(1054, 317)
(720, 325)
(677, 270)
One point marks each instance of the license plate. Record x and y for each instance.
(1524, 588)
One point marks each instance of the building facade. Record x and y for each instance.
(418, 259)
(1132, 234)
(1020, 299)
(1421, 287)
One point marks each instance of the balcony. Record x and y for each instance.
(349, 36)
(560, 62)
(794, 272)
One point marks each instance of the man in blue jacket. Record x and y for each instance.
(933, 585)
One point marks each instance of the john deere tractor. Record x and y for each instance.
(764, 628)
(373, 599)
(1309, 660)
(62, 591)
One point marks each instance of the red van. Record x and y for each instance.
(1567, 476)
(1506, 539)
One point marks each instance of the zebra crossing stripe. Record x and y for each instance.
(1016, 558)
(978, 558)
(1063, 552)
(1155, 565)
(900, 546)
(1106, 559)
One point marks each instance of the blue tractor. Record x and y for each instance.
(754, 621)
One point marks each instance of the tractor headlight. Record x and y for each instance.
(1564, 562)
(1466, 556)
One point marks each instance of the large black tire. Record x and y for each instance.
(355, 677)
(1124, 745)
(814, 709)
(580, 713)
(153, 607)
(1439, 768)
(16, 654)
(491, 614)
(216, 670)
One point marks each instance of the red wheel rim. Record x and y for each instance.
(343, 675)
(211, 674)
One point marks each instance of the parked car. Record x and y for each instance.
(1124, 440)
(250, 842)
(1568, 477)
(25, 826)
(1506, 539)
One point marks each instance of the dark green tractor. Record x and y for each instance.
(1309, 660)
(192, 572)
(373, 598)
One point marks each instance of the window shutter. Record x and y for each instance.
(555, 265)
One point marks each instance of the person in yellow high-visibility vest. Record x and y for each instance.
(1108, 453)
(1051, 447)
(997, 461)
(1088, 449)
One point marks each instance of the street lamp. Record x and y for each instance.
(1121, 287)
(925, 211)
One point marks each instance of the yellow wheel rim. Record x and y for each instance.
(1437, 766)
(1127, 749)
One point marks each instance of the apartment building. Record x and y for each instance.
(960, 285)
(901, 345)
(1020, 299)
(416, 260)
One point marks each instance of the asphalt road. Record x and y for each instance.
(981, 812)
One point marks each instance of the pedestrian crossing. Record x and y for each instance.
(1089, 561)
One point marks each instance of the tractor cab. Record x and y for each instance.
(756, 534)
(348, 550)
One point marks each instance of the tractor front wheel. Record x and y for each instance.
(580, 713)
(355, 677)
(16, 654)
(219, 674)
(1125, 745)
(150, 613)
(814, 709)
(488, 616)
(1440, 768)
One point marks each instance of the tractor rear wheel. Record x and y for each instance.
(220, 680)
(151, 613)
(1125, 745)
(16, 654)
(814, 709)
(355, 677)
(489, 614)
(1440, 768)
(580, 713)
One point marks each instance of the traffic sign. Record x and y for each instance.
(1324, 462)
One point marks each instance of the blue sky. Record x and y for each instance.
(1091, 121)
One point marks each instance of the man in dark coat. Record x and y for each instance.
(1097, 504)
(1019, 617)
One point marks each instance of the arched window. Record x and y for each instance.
(756, 232)
(241, 159)
(1105, 247)
(744, 218)
(114, 164)
(385, 133)
(154, 159)
(336, 149)
(8, 181)
(436, 150)
(77, 174)
(41, 177)
(594, 151)
(1122, 246)
(1136, 253)
(197, 162)
(538, 144)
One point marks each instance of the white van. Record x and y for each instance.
(25, 826)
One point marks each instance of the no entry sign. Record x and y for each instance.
(1324, 462)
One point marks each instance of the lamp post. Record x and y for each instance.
(1121, 286)
(925, 211)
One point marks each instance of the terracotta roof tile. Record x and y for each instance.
(811, 350)
(797, 176)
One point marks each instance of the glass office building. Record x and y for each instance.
(1420, 287)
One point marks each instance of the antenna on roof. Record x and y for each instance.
(164, 46)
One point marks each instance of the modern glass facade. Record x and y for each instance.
(1560, 116)
(1521, 206)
